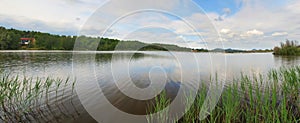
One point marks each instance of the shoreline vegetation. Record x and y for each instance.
(270, 98)
(33, 99)
(289, 48)
(10, 40)
(273, 97)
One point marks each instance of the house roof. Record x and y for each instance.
(27, 38)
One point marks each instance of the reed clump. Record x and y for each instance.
(21, 98)
(274, 97)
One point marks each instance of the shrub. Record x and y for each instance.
(290, 48)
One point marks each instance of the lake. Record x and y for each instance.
(129, 80)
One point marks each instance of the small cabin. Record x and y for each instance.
(26, 41)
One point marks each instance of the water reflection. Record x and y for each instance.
(286, 60)
(117, 73)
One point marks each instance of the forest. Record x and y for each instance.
(10, 40)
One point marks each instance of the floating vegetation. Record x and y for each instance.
(274, 97)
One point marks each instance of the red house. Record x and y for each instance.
(26, 41)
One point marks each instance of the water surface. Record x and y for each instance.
(122, 75)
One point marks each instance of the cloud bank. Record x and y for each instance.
(255, 24)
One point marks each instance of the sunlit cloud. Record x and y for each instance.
(279, 34)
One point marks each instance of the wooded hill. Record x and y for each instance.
(10, 40)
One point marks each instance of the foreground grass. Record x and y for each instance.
(258, 98)
(274, 97)
(23, 99)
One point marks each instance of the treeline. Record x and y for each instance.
(229, 50)
(289, 48)
(106, 44)
(10, 40)
(200, 50)
(247, 51)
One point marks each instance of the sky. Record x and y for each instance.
(239, 24)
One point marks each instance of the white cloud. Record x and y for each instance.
(255, 23)
(253, 32)
(279, 34)
(225, 31)
(47, 15)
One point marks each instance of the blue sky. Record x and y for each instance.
(243, 24)
(219, 5)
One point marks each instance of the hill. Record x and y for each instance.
(229, 50)
(10, 39)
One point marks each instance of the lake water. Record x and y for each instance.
(128, 79)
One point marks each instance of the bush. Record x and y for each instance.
(290, 48)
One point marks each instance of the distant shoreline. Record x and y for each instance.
(118, 51)
(13, 39)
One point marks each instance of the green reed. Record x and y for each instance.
(274, 97)
(160, 103)
(21, 98)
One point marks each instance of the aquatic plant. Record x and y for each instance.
(274, 97)
(22, 99)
